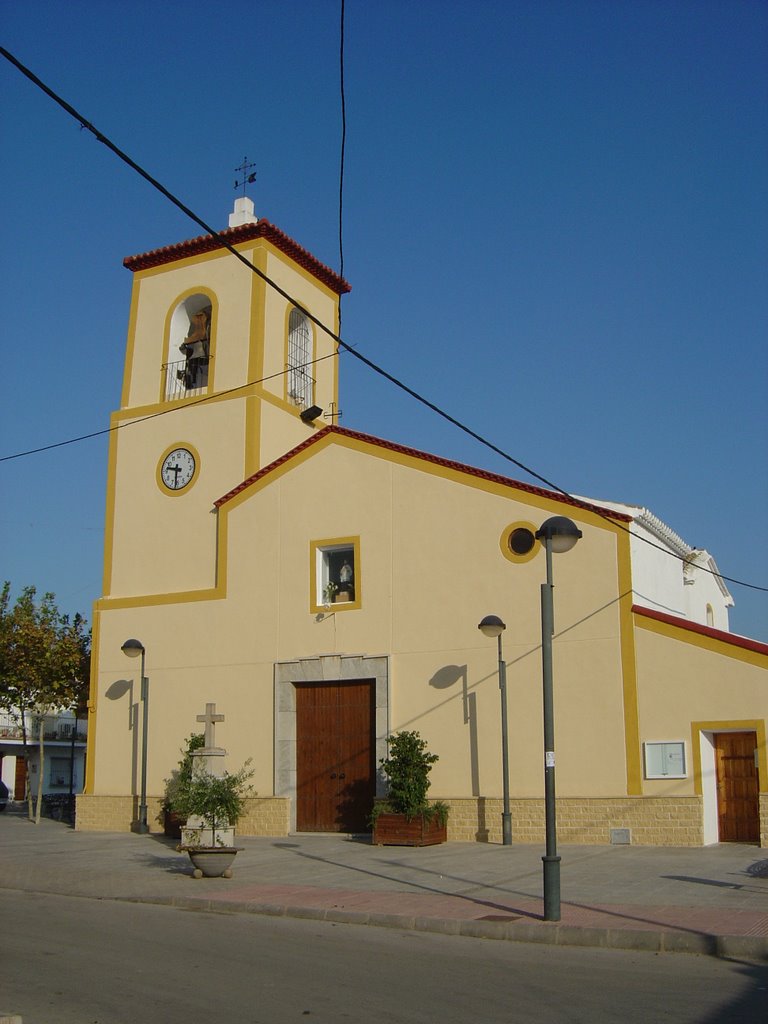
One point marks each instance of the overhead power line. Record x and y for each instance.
(160, 412)
(343, 147)
(345, 346)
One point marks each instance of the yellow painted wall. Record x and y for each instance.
(156, 543)
(163, 542)
(686, 678)
(157, 292)
(430, 569)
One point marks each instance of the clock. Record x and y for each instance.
(177, 469)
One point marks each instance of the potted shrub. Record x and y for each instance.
(217, 802)
(406, 818)
(179, 779)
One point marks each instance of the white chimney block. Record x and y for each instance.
(243, 213)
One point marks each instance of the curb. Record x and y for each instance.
(749, 947)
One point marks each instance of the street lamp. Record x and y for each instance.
(557, 535)
(134, 648)
(492, 626)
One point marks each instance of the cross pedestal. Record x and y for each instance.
(209, 757)
(209, 760)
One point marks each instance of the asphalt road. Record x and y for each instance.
(75, 960)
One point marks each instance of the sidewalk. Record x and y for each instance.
(711, 900)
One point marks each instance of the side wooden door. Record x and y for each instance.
(335, 771)
(737, 787)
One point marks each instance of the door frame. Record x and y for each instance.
(704, 770)
(327, 669)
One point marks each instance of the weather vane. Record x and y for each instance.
(248, 179)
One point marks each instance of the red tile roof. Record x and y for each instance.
(435, 460)
(242, 233)
(697, 627)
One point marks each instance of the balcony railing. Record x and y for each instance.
(53, 729)
(185, 378)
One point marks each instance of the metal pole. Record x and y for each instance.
(71, 800)
(506, 817)
(142, 825)
(550, 859)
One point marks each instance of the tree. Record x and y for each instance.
(44, 664)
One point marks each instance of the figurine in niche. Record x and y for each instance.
(196, 349)
(346, 584)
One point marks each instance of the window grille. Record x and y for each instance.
(300, 382)
(59, 771)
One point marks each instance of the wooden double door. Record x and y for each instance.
(738, 811)
(335, 753)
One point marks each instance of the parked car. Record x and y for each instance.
(3, 795)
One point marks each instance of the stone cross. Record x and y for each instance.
(210, 718)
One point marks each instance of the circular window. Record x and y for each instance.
(518, 542)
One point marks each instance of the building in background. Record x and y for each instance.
(64, 744)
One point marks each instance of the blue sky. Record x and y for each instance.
(555, 226)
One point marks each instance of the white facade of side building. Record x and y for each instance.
(658, 554)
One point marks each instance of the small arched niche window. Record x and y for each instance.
(300, 384)
(189, 349)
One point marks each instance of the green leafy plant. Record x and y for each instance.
(181, 776)
(407, 769)
(218, 800)
(44, 667)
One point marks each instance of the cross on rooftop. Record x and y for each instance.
(334, 412)
(248, 179)
(210, 718)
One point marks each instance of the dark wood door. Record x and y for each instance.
(737, 788)
(20, 780)
(335, 771)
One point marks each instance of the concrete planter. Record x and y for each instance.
(212, 863)
(206, 838)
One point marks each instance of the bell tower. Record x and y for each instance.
(223, 375)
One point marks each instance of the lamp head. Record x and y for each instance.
(561, 533)
(133, 648)
(310, 415)
(491, 626)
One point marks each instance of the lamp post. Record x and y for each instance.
(557, 535)
(134, 648)
(492, 626)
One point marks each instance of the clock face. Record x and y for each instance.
(178, 469)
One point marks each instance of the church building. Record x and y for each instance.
(323, 588)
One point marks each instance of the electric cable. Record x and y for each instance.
(343, 148)
(348, 348)
(164, 412)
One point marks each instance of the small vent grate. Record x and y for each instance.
(621, 836)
